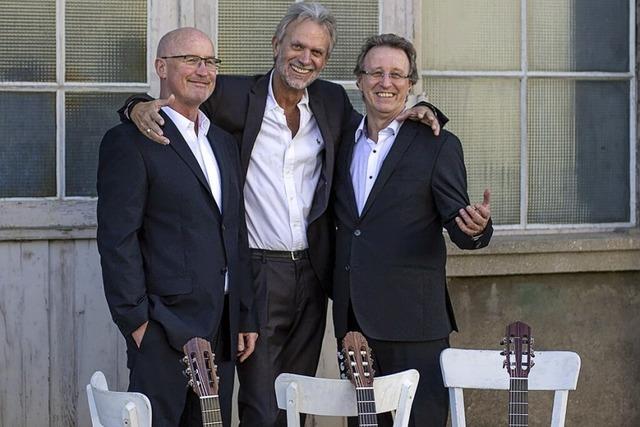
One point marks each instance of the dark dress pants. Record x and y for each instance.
(156, 370)
(291, 306)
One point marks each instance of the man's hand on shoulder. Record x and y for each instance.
(423, 114)
(147, 118)
(246, 345)
(473, 219)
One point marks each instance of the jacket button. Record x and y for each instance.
(357, 233)
(223, 227)
(347, 267)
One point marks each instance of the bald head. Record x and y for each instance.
(177, 42)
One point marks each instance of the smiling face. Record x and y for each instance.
(385, 97)
(190, 84)
(302, 53)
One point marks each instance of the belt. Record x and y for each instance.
(292, 255)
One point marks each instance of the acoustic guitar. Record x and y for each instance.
(201, 371)
(518, 352)
(357, 363)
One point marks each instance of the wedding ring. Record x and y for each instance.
(148, 130)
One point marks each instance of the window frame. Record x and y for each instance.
(524, 74)
(62, 211)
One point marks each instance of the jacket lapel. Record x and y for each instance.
(255, 113)
(181, 147)
(404, 138)
(326, 176)
(345, 157)
(223, 160)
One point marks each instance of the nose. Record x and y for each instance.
(385, 81)
(201, 69)
(305, 56)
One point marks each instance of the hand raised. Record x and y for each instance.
(473, 219)
(148, 120)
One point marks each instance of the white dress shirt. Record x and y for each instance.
(368, 157)
(202, 151)
(282, 177)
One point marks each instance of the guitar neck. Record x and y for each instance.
(518, 402)
(210, 408)
(366, 407)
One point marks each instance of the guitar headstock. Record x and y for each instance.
(518, 350)
(201, 369)
(358, 362)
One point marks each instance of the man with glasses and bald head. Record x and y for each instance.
(172, 238)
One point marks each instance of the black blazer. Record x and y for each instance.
(163, 243)
(390, 260)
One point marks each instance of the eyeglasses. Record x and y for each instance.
(379, 75)
(212, 63)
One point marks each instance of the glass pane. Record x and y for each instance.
(356, 21)
(28, 40)
(244, 35)
(28, 148)
(578, 151)
(88, 117)
(585, 35)
(355, 96)
(471, 35)
(106, 40)
(484, 114)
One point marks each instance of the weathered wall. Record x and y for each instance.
(596, 315)
(55, 330)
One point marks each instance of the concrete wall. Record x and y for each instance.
(593, 314)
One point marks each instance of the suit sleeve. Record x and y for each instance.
(449, 185)
(125, 111)
(122, 185)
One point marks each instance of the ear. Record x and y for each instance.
(358, 80)
(161, 68)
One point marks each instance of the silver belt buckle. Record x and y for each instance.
(296, 255)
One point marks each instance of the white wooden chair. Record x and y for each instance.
(116, 409)
(483, 369)
(323, 396)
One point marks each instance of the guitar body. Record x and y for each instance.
(203, 379)
(518, 361)
(358, 366)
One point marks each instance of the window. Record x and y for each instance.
(66, 67)
(541, 92)
(244, 37)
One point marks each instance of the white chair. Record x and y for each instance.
(116, 409)
(323, 396)
(483, 369)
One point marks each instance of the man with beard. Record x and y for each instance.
(288, 124)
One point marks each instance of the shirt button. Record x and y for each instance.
(357, 233)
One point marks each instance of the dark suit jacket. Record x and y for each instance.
(163, 243)
(390, 260)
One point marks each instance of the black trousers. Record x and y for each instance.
(431, 402)
(291, 306)
(156, 370)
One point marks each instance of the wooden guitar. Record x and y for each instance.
(201, 371)
(518, 352)
(358, 367)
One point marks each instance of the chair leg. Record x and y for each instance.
(559, 413)
(456, 399)
(293, 415)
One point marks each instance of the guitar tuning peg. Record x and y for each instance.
(503, 353)
(185, 360)
(187, 372)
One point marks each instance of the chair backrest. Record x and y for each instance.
(116, 409)
(323, 396)
(483, 369)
